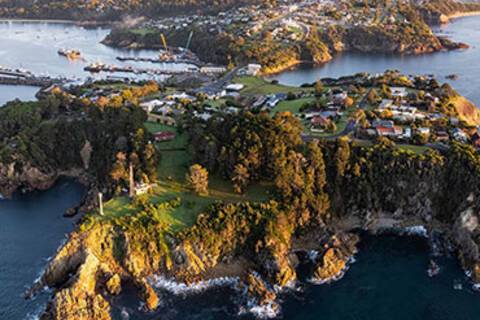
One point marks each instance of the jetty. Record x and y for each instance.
(188, 69)
(196, 63)
(26, 78)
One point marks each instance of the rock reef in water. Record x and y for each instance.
(334, 261)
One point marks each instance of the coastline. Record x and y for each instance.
(83, 23)
(458, 15)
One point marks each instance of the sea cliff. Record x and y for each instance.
(265, 242)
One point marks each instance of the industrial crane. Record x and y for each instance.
(189, 41)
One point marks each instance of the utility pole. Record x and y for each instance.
(100, 202)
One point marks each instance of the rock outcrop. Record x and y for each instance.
(334, 261)
(13, 177)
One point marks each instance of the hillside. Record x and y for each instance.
(109, 10)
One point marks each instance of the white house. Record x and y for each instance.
(148, 106)
(399, 92)
(253, 69)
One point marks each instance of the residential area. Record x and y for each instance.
(410, 110)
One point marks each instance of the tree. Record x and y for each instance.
(318, 88)
(240, 178)
(119, 171)
(150, 162)
(373, 96)
(342, 156)
(197, 179)
(349, 102)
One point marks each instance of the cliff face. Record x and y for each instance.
(19, 174)
(12, 177)
(441, 11)
(377, 39)
(94, 263)
(260, 242)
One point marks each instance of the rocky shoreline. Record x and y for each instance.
(85, 271)
(365, 40)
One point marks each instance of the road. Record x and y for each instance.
(218, 85)
(348, 129)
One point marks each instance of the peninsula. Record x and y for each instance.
(244, 187)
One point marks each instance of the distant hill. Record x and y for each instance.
(109, 9)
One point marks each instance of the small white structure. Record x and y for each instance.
(399, 92)
(181, 96)
(253, 69)
(149, 106)
(234, 87)
(213, 69)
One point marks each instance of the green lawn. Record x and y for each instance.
(416, 149)
(144, 31)
(171, 184)
(259, 86)
(216, 103)
(293, 105)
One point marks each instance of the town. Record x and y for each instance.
(416, 112)
(289, 33)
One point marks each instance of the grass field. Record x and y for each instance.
(414, 148)
(144, 31)
(171, 184)
(293, 105)
(259, 86)
(406, 147)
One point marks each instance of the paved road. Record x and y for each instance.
(348, 129)
(218, 85)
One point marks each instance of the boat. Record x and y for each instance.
(433, 269)
(71, 54)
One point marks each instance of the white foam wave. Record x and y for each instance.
(172, 286)
(416, 231)
(312, 255)
(268, 311)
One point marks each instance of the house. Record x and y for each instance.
(181, 96)
(423, 131)
(164, 136)
(259, 102)
(320, 122)
(459, 135)
(383, 123)
(148, 106)
(399, 92)
(394, 131)
(272, 101)
(386, 104)
(407, 133)
(339, 97)
(253, 69)
(454, 121)
(442, 136)
(213, 70)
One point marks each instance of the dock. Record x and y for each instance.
(25, 78)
